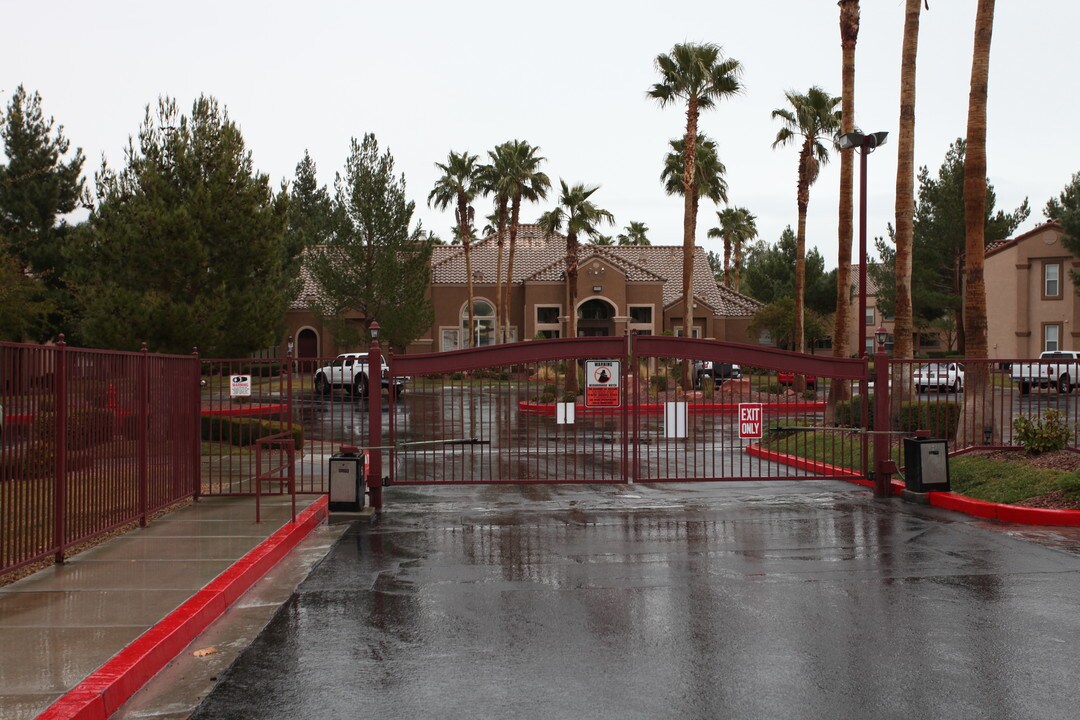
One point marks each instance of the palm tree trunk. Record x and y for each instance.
(978, 414)
(465, 230)
(738, 265)
(727, 261)
(689, 221)
(905, 187)
(571, 383)
(501, 229)
(849, 36)
(515, 209)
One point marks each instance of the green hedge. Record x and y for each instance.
(940, 418)
(85, 427)
(245, 431)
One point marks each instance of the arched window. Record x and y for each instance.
(484, 322)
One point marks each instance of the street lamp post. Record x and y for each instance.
(866, 143)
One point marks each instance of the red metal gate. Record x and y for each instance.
(508, 414)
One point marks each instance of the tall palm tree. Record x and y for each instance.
(580, 216)
(460, 183)
(905, 184)
(523, 181)
(849, 38)
(699, 75)
(637, 233)
(747, 232)
(813, 118)
(737, 227)
(602, 240)
(977, 414)
(492, 182)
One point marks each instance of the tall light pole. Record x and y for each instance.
(866, 143)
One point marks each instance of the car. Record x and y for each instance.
(943, 376)
(348, 372)
(718, 371)
(787, 377)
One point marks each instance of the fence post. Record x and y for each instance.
(197, 436)
(374, 398)
(289, 409)
(882, 478)
(60, 442)
(628, 363)
(143, 416)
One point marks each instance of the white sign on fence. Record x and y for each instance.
(675, 417)
(240, 386)
(564, 413)
(749, 420)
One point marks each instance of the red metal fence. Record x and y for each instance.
(91, 440)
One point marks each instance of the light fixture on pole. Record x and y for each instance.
(881, 335)
(867, 143)
(374, 329)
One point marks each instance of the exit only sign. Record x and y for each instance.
(749, 420)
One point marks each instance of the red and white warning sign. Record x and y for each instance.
(602, 383)
(749, 420)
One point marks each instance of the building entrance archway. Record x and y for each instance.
(596, 318)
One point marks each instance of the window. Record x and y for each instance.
(483, 332)
(1051, 337)
(547, 321)
(1051, 280)
(641, 314)
(870, 316)
(451, 339)
(694, 331)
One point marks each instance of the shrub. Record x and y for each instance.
(85, 427)
(1043, 434)
(28, 462)
(708, 387)
(245, 431)
(849, 412)
(546, 374)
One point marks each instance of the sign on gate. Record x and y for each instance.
(240, 386)
(749, 420)
(602, 383)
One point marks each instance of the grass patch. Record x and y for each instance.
(840, 449)
(1008, 482)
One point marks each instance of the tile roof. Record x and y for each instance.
(999, 245)
(871, 284)
(540, 256)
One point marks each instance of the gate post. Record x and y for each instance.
(374, 390)
(60, 423)
(882, 478)
(197, 429)
(142, 437)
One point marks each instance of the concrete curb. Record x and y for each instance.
(104, 691)
(945, 500)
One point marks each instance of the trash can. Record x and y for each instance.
(926, 465)
(346, 480)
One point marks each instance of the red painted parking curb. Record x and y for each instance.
(104, 691)
(945, 500)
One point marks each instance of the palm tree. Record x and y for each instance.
(637, 233)
(700, 76)
(492, 183)
(580, 216)
(459, 184)
(738, 226)
(812, 117)
(849, 37)
(905, 184)
(602, 240)
(523, 181)
(978, 413)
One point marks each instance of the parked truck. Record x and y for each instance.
(1054, 368)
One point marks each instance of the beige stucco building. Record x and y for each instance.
(1031, 303)
(620, 288)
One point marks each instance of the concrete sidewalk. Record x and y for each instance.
(60, 625)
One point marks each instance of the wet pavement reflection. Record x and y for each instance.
(800, 599)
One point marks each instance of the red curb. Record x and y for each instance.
(245, 411)
(105, 690)
(945, 500)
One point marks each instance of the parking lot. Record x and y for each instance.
(784, 599)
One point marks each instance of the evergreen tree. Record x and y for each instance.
(189, 244)
(40, 184)
(1066, 210)
(374, 262)
(938, 247)
(769, 274)
(310, 209)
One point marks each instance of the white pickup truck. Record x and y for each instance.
(1055, 368)
(349, 372)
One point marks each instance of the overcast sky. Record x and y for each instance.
(570, 77)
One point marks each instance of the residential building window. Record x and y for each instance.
(483, 332)
(694, 331)
(450, 339)
(1052, 336)
(871, 317)
(1052, 280)
(641, 319)
(547, 320)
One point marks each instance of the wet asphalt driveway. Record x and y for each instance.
(757, 600)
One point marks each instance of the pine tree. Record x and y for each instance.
(189, 243)
(40, 184)
(373, 262)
